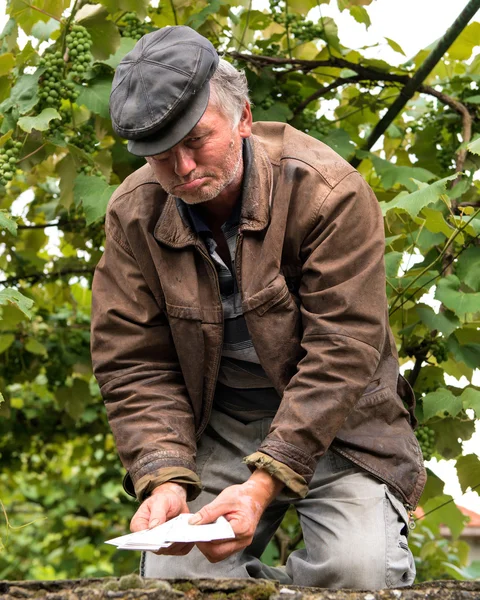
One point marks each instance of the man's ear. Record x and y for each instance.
(245, 124)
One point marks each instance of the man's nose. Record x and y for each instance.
(184, 162)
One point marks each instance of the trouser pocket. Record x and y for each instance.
(400, 565)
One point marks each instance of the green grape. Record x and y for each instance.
(133, 27)
(79, 43)
(8, 160)
(426, 439)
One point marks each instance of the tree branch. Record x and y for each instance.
(39, 226)
(36, 277)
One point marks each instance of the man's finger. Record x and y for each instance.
(209, 513)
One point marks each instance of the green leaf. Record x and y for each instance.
(435, 222)
(6, 340)
(43, 31)
(340, 141)
(35, 347)
(449, 293)
(126, 45)
(93, 193)
(139, 7)
(96, 96)
(468, 470)
(467, 353)
(441, 403)
(24, 94)
(277, 112)
(445, 322)
(11, 296)
(433, 487)
(104, 33)
(468, 268)
(8, 222)
(413, 203)
(393, 260)
(391, 174)
(449, 514)
(471, 400)
(39, 122)
(7, 62)
(197, 20)
(73, 399)
(473, 99)
(474, 146)
(394, 46)
(360, 15)
(448, 432)
(462, 47)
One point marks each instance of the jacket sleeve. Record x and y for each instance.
(344, 318)
(136, 366)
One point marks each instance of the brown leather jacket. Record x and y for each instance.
(310, 267)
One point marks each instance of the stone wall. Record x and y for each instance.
(132, 587)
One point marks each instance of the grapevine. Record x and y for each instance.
(133, 27)
(79, 43)
(426, 439)
(8, 160)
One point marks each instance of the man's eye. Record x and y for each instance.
(195, 141)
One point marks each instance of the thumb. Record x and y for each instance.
(158, 515)
(208, 514)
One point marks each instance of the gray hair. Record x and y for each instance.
(229, 90)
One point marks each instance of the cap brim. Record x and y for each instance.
(174, 132)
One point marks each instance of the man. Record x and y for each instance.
(241, 337)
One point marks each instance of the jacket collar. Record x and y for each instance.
(175, 231)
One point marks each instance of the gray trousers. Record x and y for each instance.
(355, 529)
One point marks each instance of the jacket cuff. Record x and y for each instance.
(145, 485)
(296, 485)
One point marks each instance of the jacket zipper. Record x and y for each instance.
(209, 401)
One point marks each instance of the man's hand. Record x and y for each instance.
(167, 501)
(242, 505)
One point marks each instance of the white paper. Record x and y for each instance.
(175, 530)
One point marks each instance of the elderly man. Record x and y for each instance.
(241, 337)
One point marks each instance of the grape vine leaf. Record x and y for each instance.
(449, 514)
(8, 222)
(39, 122)
(469, 353)
(391, 174)
(394, 46)
(126, 45)
(11, 296)
(104, 33)
(449, 293)
(441, 403)
(96, 96)
(414, 202)
(198, 19)
(448, 432)
(7, 62)
(462, 47)
(467, 268)
(468, 470)
(139, 7)
(24, 94)
(474, 146)
(35, 347)
(445, 322)
(6, 340)
(471, 399)
(93, 193)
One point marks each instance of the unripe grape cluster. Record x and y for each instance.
(52, 85)
(303, 30)
(8, 160)
(79, 43)
(85, 138)
(133, 27)
(426, 439)
(439, 350)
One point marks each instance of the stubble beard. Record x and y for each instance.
(229, 173)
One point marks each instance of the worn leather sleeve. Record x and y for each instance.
(343, 311)
(136, 366)
(295, 485)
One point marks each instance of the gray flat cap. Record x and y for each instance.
(161, 89)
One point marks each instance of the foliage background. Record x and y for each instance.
(59, 155)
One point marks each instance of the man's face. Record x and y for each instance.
(207, 162)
